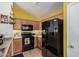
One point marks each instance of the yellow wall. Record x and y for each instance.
(53, 14)
(65, 27)
(21, 14)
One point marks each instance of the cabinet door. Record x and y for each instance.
(17, 24)
(35, 42)
(39, 42)
(17, 46)
(9, 53)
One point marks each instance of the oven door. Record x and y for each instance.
(28, 43)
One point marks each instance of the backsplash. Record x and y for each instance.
(17, 33)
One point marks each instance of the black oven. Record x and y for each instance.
(27, 41)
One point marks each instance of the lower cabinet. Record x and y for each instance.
(35, 42)
(17, 46)
(9, 53)
(39, 43)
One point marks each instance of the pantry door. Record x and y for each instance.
(73, 30)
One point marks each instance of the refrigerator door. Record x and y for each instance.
(52, 41)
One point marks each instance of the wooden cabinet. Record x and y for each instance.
(17, 46)
(17, 25)
(9, 53)
(39, 43)
(19, 22)
(35, 42)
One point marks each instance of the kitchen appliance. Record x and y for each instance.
(27, 41)
(27, 27)
(27, 38)
(1, 39)
(52, 38)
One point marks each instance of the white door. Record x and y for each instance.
(73, 30)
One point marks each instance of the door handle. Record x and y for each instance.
(71, 46)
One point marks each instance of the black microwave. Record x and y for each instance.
(27, 27)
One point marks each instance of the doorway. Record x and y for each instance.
(73, 30)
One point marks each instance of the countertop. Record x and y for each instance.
(17, 38)
(20, 37)
(6, 45)
(38, 36)
(7, 42)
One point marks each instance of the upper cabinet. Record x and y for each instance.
(17, 25)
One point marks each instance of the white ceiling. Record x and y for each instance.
(40, 9)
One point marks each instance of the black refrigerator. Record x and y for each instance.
(52, 38)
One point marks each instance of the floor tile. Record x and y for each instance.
(33, 53)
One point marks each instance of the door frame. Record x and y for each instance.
(65, 28)
(66, 5)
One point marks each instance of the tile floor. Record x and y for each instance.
(33, 53)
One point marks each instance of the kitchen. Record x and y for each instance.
(22, 25)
